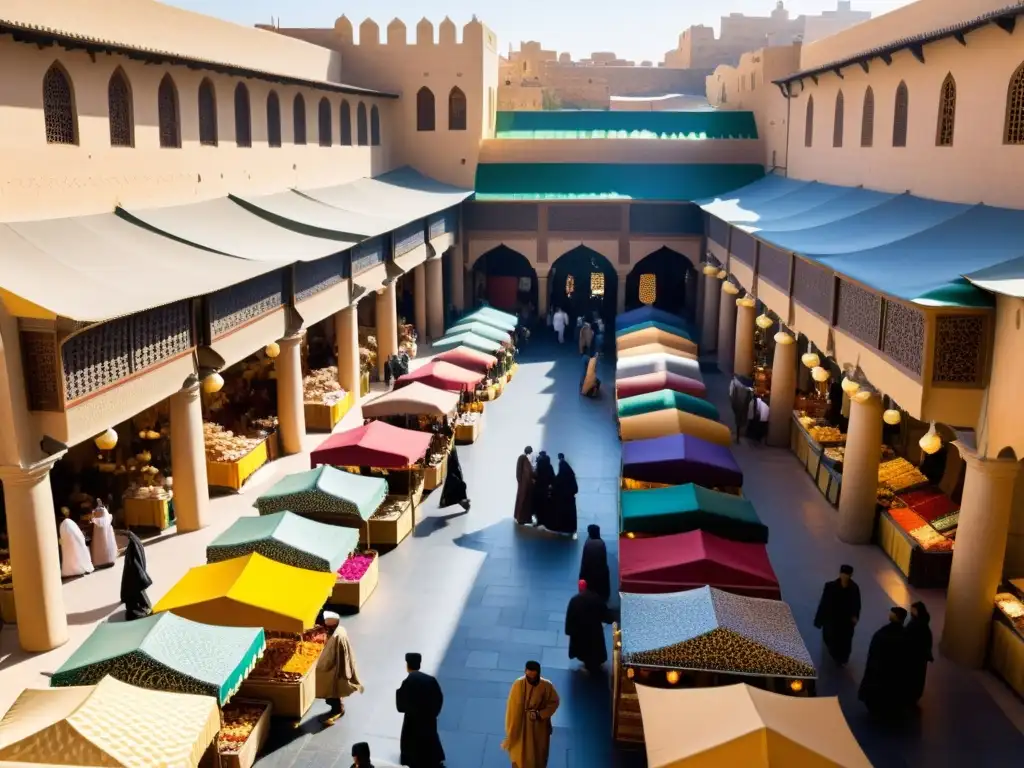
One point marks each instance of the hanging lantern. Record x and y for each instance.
(784, 338)
(722, 274)
(213, 384)
(892, 417)
(850, 386)
(106, 440)
(710, 270)
(796, 686)
(819, 374)
(810, 360)
(764, 322)
(931, 442)
(730, 289)
(630, 535)
(272, 350)
(672, 676)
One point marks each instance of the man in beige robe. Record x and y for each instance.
(337, 677)
(532, 703)
(524, 492)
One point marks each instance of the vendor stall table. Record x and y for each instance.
(1006, 652)
(321, 417)
(148, 513)
(921, 568)
(468, 433)
(243, 755)
(233, 475)
(809, 452)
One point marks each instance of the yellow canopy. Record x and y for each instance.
(652, 348)
(669, 421)
(654, 336)
(250, 591)
(111, 724)
(736, 725)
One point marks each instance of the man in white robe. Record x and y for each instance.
(104, 545)
(74, 554)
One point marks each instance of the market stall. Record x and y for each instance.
(1006, 649)
(629, 367)
(645, 383)
(324, 401)
(647, 314)
(654, 336)
(656, 325)
(921, 549)
(739, 725)
(663, 400)
(692, 560)
(108, 724)
(483, 329)
(497, 314)
(452, 378)
(682, 508)
(232, 459)
(470, 359)
(677, 460)
(495, 320)
(165, 652)
(471, 340)
(655, 349)
(648, 426)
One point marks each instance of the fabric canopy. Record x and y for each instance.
(325, 492)
(108, 724)
(442, 375)
(404, 193)
(377, 445)
(654, 336)
(654, 424)
(414, 399)
(250, 591)
(681, 459)
(468, 358)
(710, 630)
(693, 560)
(498, 314)
(625, 367)
(493, 319)
(666, 399)
(480, 328)
(690, 507)
(644, 383)
(287, 539)
(739, 725)
(472, 340)
(165, 653)
(647, 314)
(675, 330)
(652, 348)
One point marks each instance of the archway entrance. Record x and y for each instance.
(582, 282)
(505, 279)
(664, 279)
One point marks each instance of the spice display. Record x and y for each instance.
(838, 453)
(906, 519)
(947, 525)
(889, 470)
(825, 434)
(886, 499)
(225, 446)
(1011, 607)
(355, 567)
(321, 387)
(930, 539)
(930, 503)
(391, 509)
(907, 480)
(288, 657)
(237, 724)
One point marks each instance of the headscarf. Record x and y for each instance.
(922, 613)
(583, 585)
(594, 531)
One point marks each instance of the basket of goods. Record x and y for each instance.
(286, 673)
(435, 470)
(826, 435)
(1012, 608)
(468, 426)
(231, 458)
(900, 475)
(357, 578)
(266, 429)
(325, 402)
(6, 588)
(245, 725)
(148, 506)
(392, 521)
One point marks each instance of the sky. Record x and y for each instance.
(634, 29)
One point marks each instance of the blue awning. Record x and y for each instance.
(857, 201)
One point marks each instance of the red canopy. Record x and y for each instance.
(442, 375)
(655, 382)
(696, 559)
(470, 359)
(377, 445)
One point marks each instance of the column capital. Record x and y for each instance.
(1006, 469)
(33, 473)
(291, 341)
(873, 400)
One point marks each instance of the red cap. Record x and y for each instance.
(583, 585)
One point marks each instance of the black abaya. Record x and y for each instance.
(883, 689)
(838, 608)
(135, 580)
(454, 491)
(563, 513)
(420, 699)
(919, 655)
(543, 485)
(584, 625)
(594, 568)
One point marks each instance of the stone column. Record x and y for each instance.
(435, 298)
(542, 298)
(419, 298)
(458, 278)
(346, 335)
(978, 558)
(727, 327)
(387, 326)
(38, 597)
(783, 393)
(709, 328)
(743, 360)
(857, 501)
(620, 294)
(291, 413)
(188, 459)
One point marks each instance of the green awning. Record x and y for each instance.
(498, 314)
(609, 181)
(480, 329)
(288, 539)
(599, 124)
(673, 329)
(471, 340)
(682, 508)
(493, 320)
(325, 492)
(164, 652)
(666, 399)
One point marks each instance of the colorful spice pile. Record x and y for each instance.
(355, 567)
(287, 657)
(321, 387)
(924, 534)
(237, 723)
(222, 445)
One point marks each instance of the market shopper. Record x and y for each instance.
(586, 339)
(883, 687)
(559, 322)
(524, 489)
(585, 618)
(135, 580)
(103, 546)
(543, 489)
(919, 651)
(563, 498)
(740, 395)
(591, 386)
(337, 677)
(532, 703)
(75, 559)
(838, 614)
(594, 564)
(420, 699)
(454, 490)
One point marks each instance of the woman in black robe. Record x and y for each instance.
(594, 564)
(919, 651)
(584, 625)
(882, 687)
(454, 491)
(563, 513)
(135, 581)
(543, 486)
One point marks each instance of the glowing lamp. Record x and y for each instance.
(629, 672)
(819, 374)
(892, 417)
(796, 685)
(630, 535)
(850, 386)
(730, 289)
(810, 360)
(272, 350)
(213, 384)
(672, 677)
(710, 270)
(784, 338)
(764, 322)
(931, 442)
(106, 440)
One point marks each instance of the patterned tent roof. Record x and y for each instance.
(666, 399)
(472, 340)
(493, 318)
(109, 724)
(288, 539)
(415, 399)
(648, 314)
(654, 348)
(325, 492)
(165, 653)
(710, 630)
(480, 328)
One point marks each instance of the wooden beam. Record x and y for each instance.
(917, 51)
(865, 66)
(961, 38)
(1007, 24)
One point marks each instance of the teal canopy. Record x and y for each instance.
(288, 539)
(508, 317)
(472, 340)
(480, 329)
(675, 330)
(493, 320)
(666, 399)
(602, 123)
(325, 492)
(682, 508)
(165, 652)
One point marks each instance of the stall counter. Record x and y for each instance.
(232, 475)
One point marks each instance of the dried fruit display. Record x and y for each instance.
(237, 723)
(1011, 607)
(906, 519)
(930, 539)
(392, 509)
(907, 480)
(321, 387)
(149, 492)
(225, 446)
(826, 434)
(288, 657)
(888, 470)
(355, 567)
(268, 424)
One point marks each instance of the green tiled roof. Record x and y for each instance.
(591, 181)
(595, 124)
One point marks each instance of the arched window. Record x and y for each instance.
(374, 126)
(243, 117)
(273, 120)
(323, 122)
(456, 110)
(648, 289)
(167, 113)
(809, 123)
(299, 119)
(867, 119)
(1014, 131)
(345, 124)
(837, 125)
(207, 114)
(59, 107)
(425, 118)
(900, 116)
(119, 110)
(947, 112)
(362, 135)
